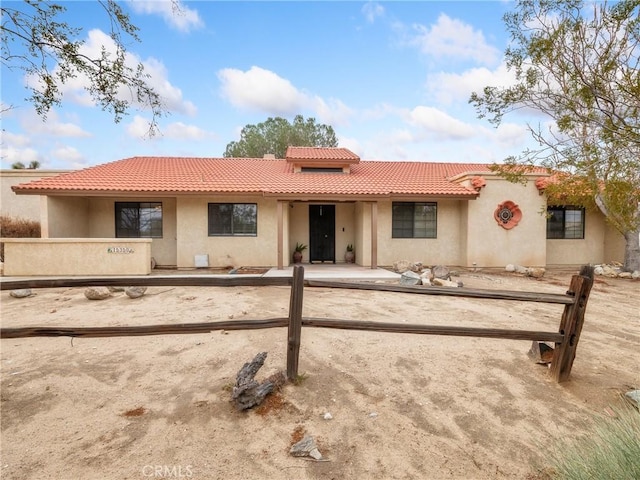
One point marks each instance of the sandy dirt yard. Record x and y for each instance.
(402, 406)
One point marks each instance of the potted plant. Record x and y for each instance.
(297, 252)
(350, 255)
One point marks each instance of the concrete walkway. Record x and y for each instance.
(339, 271)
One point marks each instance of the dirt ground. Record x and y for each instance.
(402, 406)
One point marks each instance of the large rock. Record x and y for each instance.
(440, 282)
(609, 271)
(410, 278)
(416, 267)
(306, 447)
(401, 266)
(135, 292)
(442, 272)
(636, 274)
(510, 268)
(21, 293)
(536, 272)
(625, 275)
(97, 293)
(522, 270)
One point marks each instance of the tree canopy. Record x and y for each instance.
(36, 40)
(577, 65)
(33, 165)
(276, 134)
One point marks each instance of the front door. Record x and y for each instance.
(322, 233)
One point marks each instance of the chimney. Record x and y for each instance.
(269, 156)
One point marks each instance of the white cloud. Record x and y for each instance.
(453, 39)
(69, 155)
(174, 12)
(17, 140)
(74, 88)
(52, 126)
(512, 135)
(334, 112)
(12, 154)
(138, 128)
(435, 123)
(448, 88)
(265, 91)
(372, 10)
(261, 89)
(180, 131)
(171, 95)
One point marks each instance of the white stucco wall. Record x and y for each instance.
(193, 239)
(445, 249)
(601, 243)
(76, 256)
(102, 224)
(490, 245)
(21, 206)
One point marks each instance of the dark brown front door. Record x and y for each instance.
(322, 233)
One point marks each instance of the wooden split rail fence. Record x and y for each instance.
(565, 339)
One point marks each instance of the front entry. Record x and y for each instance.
(322, 233)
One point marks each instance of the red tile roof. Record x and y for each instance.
(174, 175)
(343, 155)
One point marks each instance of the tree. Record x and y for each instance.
(36, 40)
(33, 165)
(276, 134)
(579, 68)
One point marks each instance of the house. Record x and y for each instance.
(188, 212)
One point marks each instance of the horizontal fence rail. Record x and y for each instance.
(141, 330)
(565, 340)
(159, 281)
(450, 292)
(432, 329)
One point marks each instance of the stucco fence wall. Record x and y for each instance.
(21, 206)
(76, 256)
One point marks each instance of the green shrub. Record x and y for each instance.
(610, 452)
(11, 227)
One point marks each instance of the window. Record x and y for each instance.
(233, 219)
(565, 222)
(414, 220)
(321, 170)
(135, 219)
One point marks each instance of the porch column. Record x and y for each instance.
(374, 235)
(44, 216)
(280, 214)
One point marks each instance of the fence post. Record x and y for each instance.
(571, 324)
(295, 322)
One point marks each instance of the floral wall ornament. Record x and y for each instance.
(478, 182)
(507, 215)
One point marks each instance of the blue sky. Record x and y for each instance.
(392, 78)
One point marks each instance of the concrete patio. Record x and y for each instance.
(340, 271)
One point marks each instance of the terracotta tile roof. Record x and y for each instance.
(174, 175)
(321, 153)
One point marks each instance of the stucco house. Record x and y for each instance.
(252, 211)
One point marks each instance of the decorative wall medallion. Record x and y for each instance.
(507, 215)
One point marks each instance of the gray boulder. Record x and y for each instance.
(21, 293)
(135, 292)
(410, 278)
(401, 266)
(97, 293)
(442, 272)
